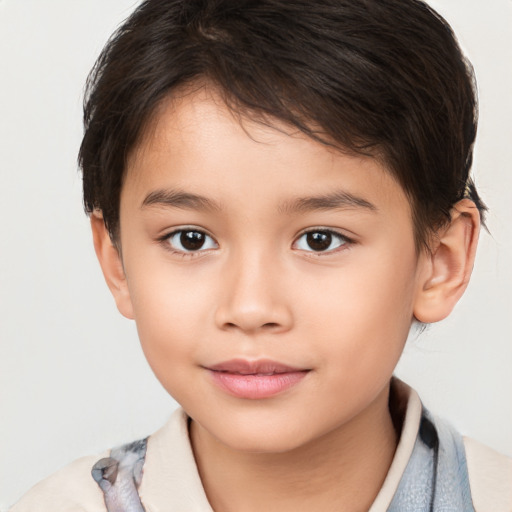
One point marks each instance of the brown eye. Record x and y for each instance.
(190, 240)
(320, 241)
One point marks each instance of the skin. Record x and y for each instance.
(257, 290)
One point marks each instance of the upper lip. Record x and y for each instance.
(261, 366)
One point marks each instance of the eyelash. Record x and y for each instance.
(164, 240)
(346, 242)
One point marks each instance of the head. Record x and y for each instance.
(385, 79)
(349, 126)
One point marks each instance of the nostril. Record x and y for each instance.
(268, 325)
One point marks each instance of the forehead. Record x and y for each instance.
(195, 142)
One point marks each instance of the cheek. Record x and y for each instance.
(171, 311)
(364, 311)
(360, 337)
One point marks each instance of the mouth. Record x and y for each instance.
(255, 380)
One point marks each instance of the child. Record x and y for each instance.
(278, 190)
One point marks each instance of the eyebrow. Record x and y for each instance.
(179, 199)
(338, 199)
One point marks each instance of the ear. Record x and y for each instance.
(111, 265)
(447, 269)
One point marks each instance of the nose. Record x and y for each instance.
(254, 297)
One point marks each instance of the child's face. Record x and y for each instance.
(336, 305)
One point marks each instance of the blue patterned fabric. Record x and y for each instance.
(435, 479)
(119, 477)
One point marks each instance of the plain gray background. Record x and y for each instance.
(73, 380)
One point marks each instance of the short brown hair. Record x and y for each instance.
(380, 77)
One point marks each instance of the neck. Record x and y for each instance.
(342, 470)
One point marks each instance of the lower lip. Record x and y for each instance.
(255, 387)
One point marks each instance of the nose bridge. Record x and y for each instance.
(253, 297)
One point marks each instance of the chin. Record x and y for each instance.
(268, 434)
(264, 444)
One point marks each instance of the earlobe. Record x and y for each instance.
(447, 269)
(111, 265)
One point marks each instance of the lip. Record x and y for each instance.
(255, 380)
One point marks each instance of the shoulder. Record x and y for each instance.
(170, 479)
(466, 469)
(72, 489)
(490, 477)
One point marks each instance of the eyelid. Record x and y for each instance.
(164, 240)
(348, 241)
